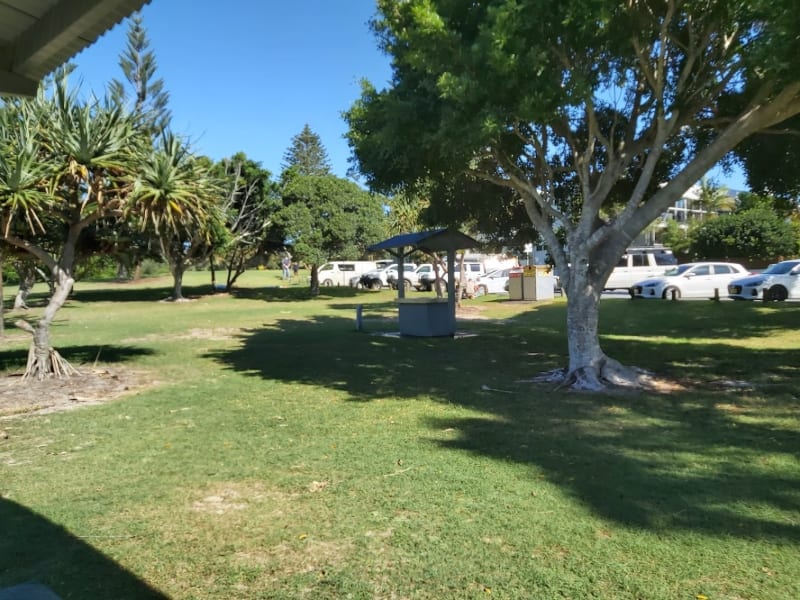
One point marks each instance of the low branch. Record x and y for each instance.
(25, 326)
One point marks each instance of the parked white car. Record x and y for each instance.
(778, 282)
(341, 272)
(691, 280)
(495, 282)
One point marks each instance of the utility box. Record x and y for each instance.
(532, 283)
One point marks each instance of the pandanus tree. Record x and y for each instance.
(175, 196)
(64, 165)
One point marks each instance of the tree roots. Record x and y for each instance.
(52, 365)
(608, 374)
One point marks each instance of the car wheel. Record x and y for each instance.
(777, 293)
(375, 284)
(668, 293)
(327, 283)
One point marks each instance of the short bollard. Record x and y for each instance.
(359, 317)
(673, 294)
(716, 295)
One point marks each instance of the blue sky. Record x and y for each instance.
(247, 75)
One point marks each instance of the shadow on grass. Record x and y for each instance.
(120, 293)
(294, 294)
(33, 549)
(78, 355)
(709, 460)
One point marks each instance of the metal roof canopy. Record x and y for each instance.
(436, 240)
(38, 36)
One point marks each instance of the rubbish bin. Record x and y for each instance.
(532, 283)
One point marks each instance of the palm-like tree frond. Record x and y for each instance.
(23, 189)
(173, 192)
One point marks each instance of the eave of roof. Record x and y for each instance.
(38, 36)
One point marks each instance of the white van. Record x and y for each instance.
(340, 272)
(640, 263)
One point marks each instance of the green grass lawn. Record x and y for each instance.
(278, 453)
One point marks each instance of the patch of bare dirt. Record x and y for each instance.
(93, 386)
(218, 333)
(470, 312)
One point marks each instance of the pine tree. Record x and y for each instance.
(307, 154)
(138, 64)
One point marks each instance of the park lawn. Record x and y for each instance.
(278, 453)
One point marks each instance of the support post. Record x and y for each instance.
(451, 285)
(359, 317)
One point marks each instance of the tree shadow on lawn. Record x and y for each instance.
(120, 293)
(706, 460)
(294, 294)
(34, 549)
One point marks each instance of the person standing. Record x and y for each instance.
(286, 263)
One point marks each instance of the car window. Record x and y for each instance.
(702, 270)
(679, 270)
(347, 267)
(623, 262)
(665, 258)
(326, 267)
(780, 268)
(640, 260)
(722, 269)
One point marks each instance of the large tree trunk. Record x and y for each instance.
(43, 360)
(177, 267)
(589, 367)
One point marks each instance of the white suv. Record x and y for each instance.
(640, 263)
(778, 282)
(472, 270)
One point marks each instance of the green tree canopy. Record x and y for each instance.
(757, 235)
(306, 155)
(596, 116)
(325, 217)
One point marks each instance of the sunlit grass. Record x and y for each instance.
(278, 453)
